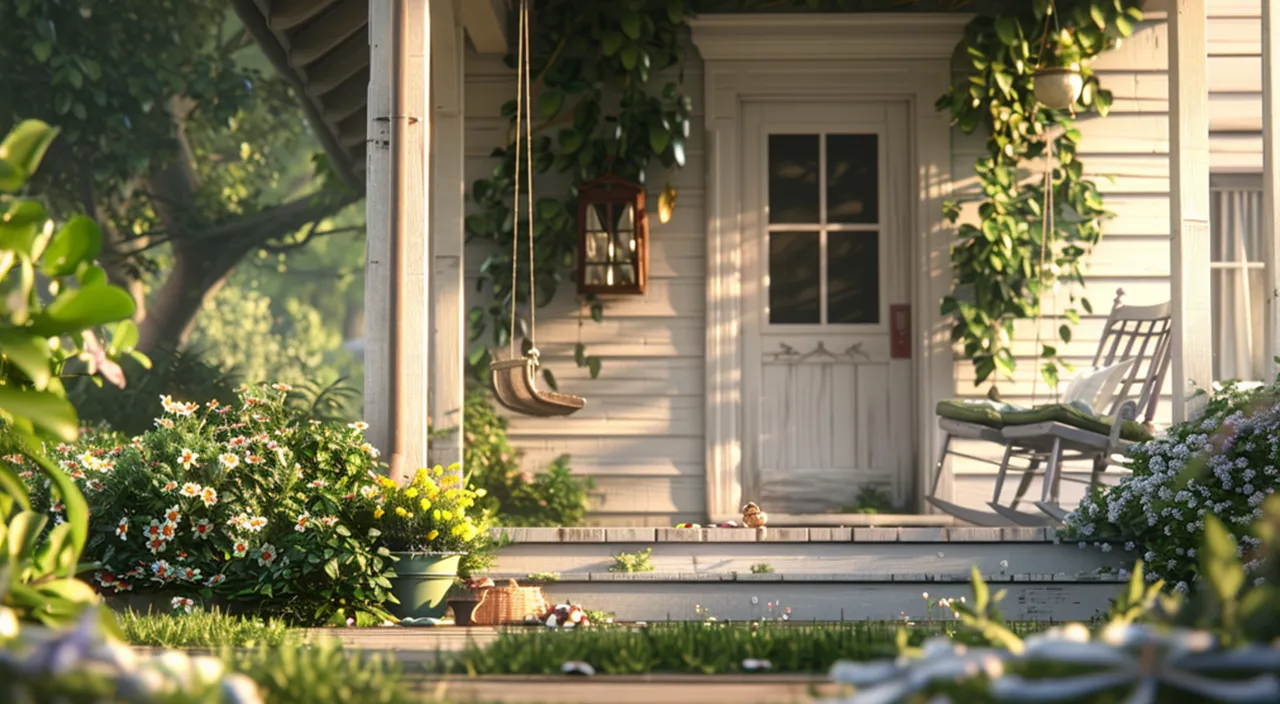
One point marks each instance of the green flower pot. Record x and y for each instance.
(421, 583)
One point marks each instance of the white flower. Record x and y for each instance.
(894, 680)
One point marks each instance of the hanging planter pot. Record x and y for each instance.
(1059, 87)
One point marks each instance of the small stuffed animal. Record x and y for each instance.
(753, 517)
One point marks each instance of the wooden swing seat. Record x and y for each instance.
(514, 385)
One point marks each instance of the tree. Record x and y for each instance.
(179, 141)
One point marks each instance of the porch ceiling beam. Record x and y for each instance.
(327, 31)
(1270, 179)
(486, 24)
(342, 63)
(287, 14)
(1189, 206)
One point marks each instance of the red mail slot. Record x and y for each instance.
(900, 331)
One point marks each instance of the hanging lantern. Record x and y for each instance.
(1059, 87)
(613, 237)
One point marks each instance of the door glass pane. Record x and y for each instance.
(853, 176)
(853, 277)
(794, 268)
(793, 178)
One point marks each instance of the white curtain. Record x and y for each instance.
(1239, 285)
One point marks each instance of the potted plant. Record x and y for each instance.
(1059, 81)
(430, 527)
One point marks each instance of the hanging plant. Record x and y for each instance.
(1005, 263)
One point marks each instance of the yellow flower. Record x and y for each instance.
(403, 513)
(451, 494)
(455, 467)
(438, 471)
(481, 492)
(377, 512)
(388, 482)
(458, 529)
(433, 535)
(420, 475)
(448, 516)
(436, 514)
(426, 505)
(411, 492)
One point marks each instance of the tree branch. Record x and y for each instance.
(310, 234)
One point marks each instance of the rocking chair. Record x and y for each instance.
(1136, 342)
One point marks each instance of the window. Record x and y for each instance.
(824, 229)
(1239, 279)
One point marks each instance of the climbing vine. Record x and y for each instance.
(1004, 263)
(598, 104)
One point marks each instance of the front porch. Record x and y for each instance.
(669, 432)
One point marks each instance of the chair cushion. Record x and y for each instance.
(1096, 387)
(994, 414)
(974, 410)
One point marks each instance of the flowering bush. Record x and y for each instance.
(246, 501)
(1225, 463)
(431, 515)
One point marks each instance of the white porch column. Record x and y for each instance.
(1189, 206)
(448, 212)
(397, 205)
(1270, 182)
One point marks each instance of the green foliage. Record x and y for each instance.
(762, 568)
(592, 66)
(202, 629)
(1005, 263)
(321, 674)
(39, 340)
(633, 561)
(247, 334)
(132, 410)
(691, 647)
(873, 499)
(246, 503)
(1223, 464)
(518, 498)
(180, 141)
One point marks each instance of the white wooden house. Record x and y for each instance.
(695, 411)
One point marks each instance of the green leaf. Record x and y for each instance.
(1007, 30)
(80, 240)
(580, 354)
(631, 24)
(1098, 16)
(629, 55)
(42, 50)
(981, 594)
(611, 41)
(26, 144)
(659, 139)
(332, 569)
(123, 339)
(1064, 332)
(551, 103)
(43, 409)
(593, 366)
(550, 378)
(76, 309)
(24, 531)
(30, 353)
(1124, 26)
(1225, 573)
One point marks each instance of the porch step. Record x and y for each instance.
(820, 573)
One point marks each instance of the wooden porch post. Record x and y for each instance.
(1270, 182)
(1189, 206)
(396, 294)
(448, 337)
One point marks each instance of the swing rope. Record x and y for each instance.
(523, 101)
(1046, 231)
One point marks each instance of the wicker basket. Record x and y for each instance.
(500, 606)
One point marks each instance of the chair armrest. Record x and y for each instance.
(1127, 411)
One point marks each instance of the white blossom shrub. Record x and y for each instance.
(1225, 463)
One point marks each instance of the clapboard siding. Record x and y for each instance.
(640, 438)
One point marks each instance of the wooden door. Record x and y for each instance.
(826, 254)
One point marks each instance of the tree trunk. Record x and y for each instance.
(197, 274)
